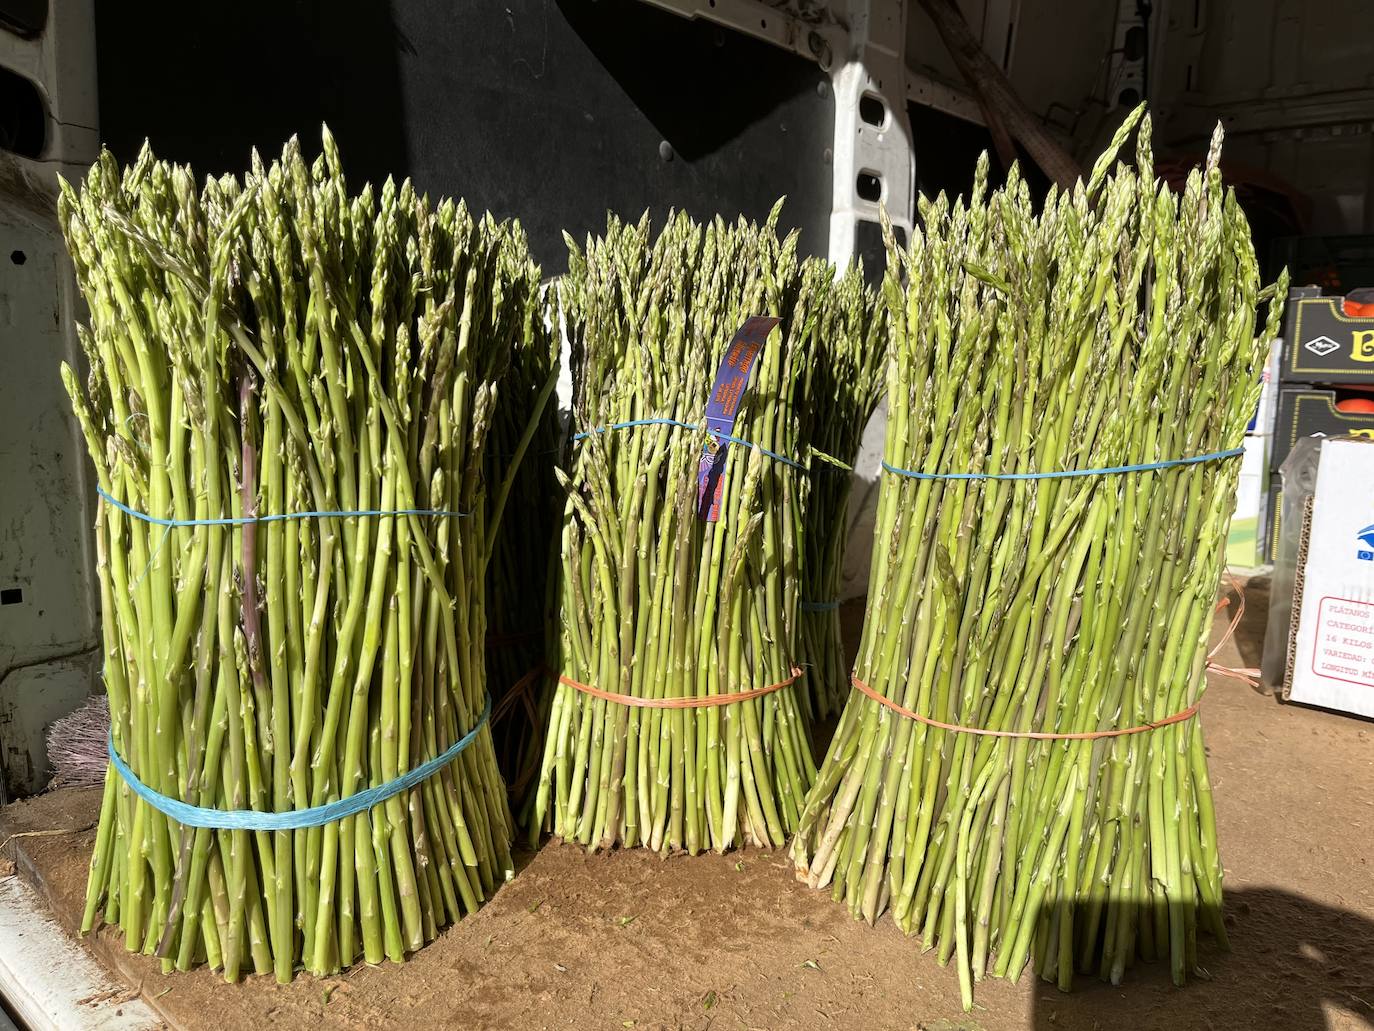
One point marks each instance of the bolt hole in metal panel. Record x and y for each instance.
(18, 257)
(23, 116)
(1133, 45)
(872, 110)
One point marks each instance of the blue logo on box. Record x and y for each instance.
(1366, 536)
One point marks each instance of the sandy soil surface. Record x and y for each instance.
(631, 940)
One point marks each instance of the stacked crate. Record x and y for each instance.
(1326, 383)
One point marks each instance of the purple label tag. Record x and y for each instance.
(731, 379)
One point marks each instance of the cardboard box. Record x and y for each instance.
(1331, 656)
(1324, 345)
(1245, 539)
(1308, 412)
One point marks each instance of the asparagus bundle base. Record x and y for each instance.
(1115, 328)
(263, 351)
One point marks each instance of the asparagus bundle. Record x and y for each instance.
(658, 603)
(842, 387)
(264, 353)
(522, 602)
(1114, 329)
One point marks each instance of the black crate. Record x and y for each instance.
(1309, 412)
(1321, 344)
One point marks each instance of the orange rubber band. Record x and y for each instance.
(1248, 675)
(1235, 619)
(682, 703)
(1036, 735)
(1245, 675)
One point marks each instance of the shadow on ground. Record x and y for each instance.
(1294, 964)
(1250, 631)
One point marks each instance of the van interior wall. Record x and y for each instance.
(1290, 81)
(553, 112)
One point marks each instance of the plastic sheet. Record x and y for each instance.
(1299, 472)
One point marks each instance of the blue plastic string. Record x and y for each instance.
(245, 520)
(297, 819)
(687, 426)
(1144, 467)
(819, 606)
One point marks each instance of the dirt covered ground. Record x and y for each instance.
(630, 940)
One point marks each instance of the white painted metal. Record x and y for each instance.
(49, 981)
(863, 507)
(61, 61)
(998, 31)
(874, 65)
(46, 565)
(871, 65)
(1124, 74)
(46, 548)
(821, 41)
(862, 44)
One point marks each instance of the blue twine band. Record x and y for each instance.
(297, 819)
(1109, 471)
(245, 520)
(687, 426)
(818, 606)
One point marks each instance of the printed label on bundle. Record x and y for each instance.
(1345, 641)
(731, 379)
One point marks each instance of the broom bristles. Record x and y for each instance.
(76, 745)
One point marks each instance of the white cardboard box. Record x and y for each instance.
(1332, 653)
